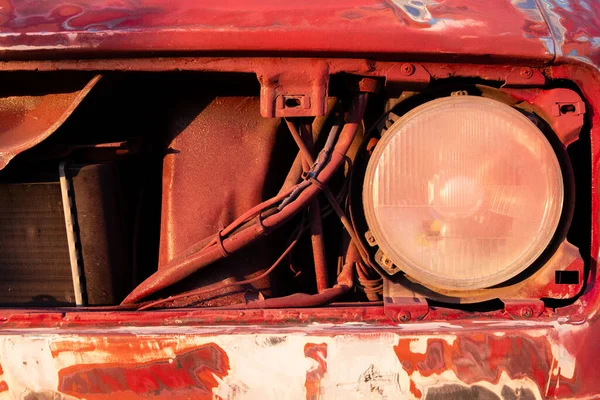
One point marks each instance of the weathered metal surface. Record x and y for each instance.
(434, 360)
(27, 120)
(563, 109)
(468, 28)
(354, 352)
(575, 29)
(294, 92)
(217, 161)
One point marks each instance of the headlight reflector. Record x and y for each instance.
(463, 193)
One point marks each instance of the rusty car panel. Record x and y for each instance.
(354, 360)
(346, 351)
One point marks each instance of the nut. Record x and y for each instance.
(407, 69)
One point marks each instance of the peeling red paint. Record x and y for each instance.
(190, 374)
(494, 31)
(480, 357)
(317, 352)
(414, 390)
(3, 384)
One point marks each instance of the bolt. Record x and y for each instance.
(404, 316)
(526, 72)
(526, 312)
(387, 262)
(370, 238)
(407, 69)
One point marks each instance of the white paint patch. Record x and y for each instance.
(429, 326)
(261, 371)
(566, 361)
(418, 346)
(27, 364)
(444, 24)
(364, 368)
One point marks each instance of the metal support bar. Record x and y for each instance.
(72, 236)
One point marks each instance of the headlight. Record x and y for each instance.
(463, 193)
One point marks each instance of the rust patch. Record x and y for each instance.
(479, 358)
(317, 352)
(191, 374)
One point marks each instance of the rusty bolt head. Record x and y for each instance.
(407, 69)
(526, 72)
(404, 316)
(526, 312)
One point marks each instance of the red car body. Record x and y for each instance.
(351, 351)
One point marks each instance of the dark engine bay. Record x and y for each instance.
(161, 190)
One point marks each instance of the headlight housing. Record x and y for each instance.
(463, 193)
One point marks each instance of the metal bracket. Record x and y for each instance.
(386, 263)
(524, 76)
(559, 278)
(387, 122)
(563, 109)
(402, 305)
(408, 76)
(298, 90)
(523, 309)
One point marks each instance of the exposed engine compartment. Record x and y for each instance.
(186, 189)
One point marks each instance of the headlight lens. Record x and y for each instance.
(463, 193)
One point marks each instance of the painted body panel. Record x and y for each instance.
(351, 352)
(465, 29)
(355, 360)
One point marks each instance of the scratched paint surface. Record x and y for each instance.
(575, 26)
(351, 361)
(503, 29)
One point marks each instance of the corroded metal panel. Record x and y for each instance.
(355, 361)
